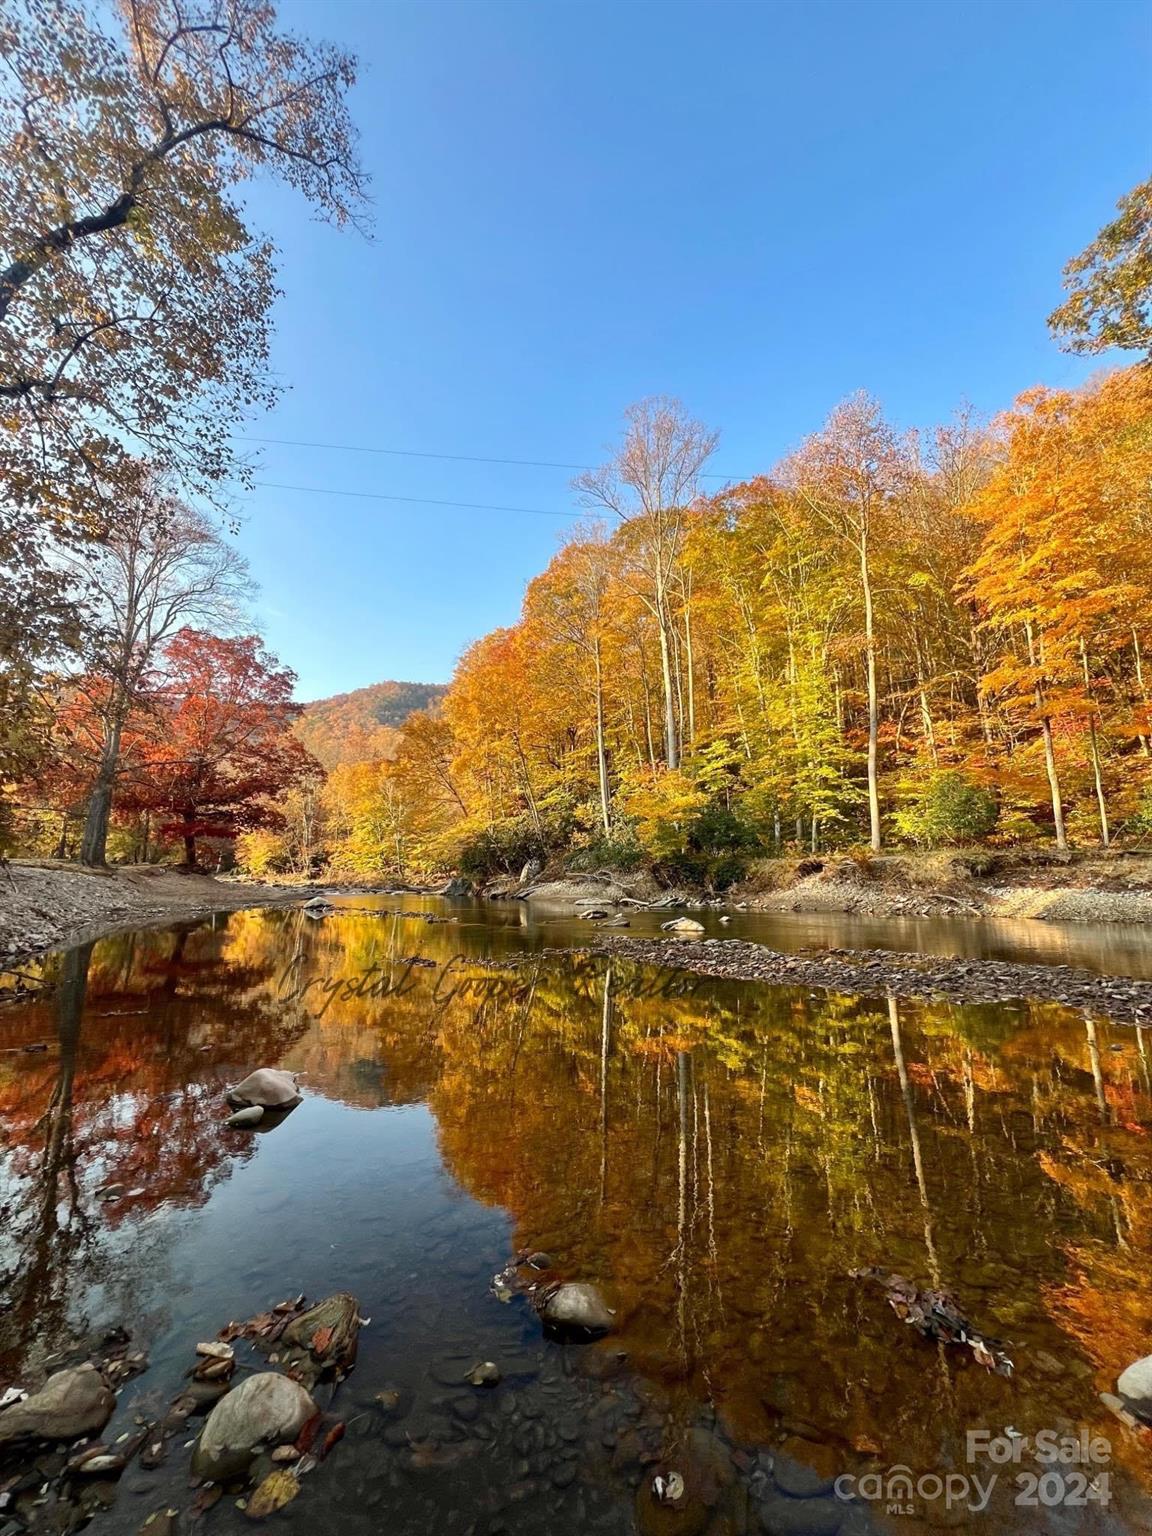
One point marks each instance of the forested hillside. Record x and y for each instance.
(889, 638)
(363, 724)
(900, 633)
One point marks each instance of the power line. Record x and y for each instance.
(423, 501)
(409, 453)
(414, 453)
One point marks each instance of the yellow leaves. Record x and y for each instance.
(277, 1489)
(663, 805)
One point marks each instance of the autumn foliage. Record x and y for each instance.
(928, 638)
(207, 752)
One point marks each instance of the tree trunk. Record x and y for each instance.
(601, 753)
(671, 739)
(94, 844)
(1053, 778)
(1145, 744)
(1049, 750)
(689, 660)
(1094, 749)
(648, 732)
(929, 728)
(873, 702)
(531, 798)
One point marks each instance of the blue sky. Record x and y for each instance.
(759, 207)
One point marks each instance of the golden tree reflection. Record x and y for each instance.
(718, 1156)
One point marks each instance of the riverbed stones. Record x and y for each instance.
(70, 1404)
(1134, 1386)
(268, 1087)
(878, 973)
(264, 1410)
(576, 1307)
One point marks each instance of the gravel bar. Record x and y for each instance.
(876, 973)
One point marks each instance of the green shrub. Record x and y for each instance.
(718, 846)
(1141, 823)
(946, 808)
(620, 851)
(506, 846)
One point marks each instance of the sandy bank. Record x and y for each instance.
(44, 905)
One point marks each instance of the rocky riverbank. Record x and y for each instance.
(1042, 884)
(1082, 887)
(879, 973)
(46, 905)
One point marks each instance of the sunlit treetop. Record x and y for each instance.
(134, 300)
(1109, 284)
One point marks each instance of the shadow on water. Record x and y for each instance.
(716, 1157)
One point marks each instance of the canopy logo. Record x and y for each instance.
(1072, 1476)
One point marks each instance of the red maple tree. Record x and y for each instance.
(215, 747)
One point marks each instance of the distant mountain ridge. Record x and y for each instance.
(351, 727)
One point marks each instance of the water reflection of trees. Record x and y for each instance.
(722, 1161)
(127, 1096)
(719, 1160)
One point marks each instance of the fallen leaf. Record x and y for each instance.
(277, 1489)
(334, 1435)
(306, 1436)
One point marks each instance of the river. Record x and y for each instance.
(717, 1157)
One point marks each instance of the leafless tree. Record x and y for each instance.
(160, 566)
(573, 608)
(849, 477)
(650, 482)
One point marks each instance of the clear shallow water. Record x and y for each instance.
(1115, 949)
(716, 1156)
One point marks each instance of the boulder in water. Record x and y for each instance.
(263, 1411)
(575, 1307)
(1134, 1386)
(688, 926)
(70, 1404)
(269, 1087)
